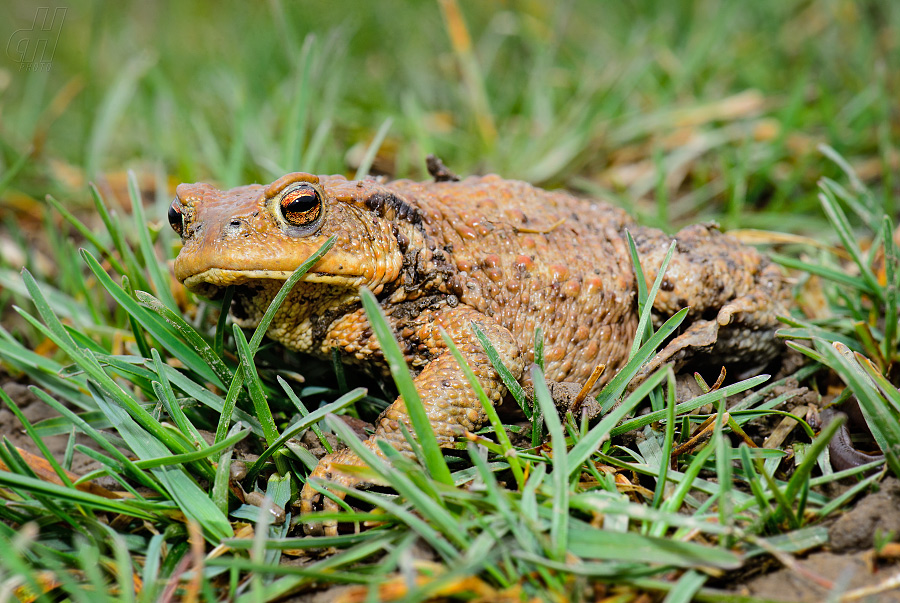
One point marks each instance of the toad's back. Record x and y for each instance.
(533, 258)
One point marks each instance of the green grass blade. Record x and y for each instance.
(219, 341)
(842, 226)
(891, 290)
(668, 440)
(804, 469)
(686, 587)
(509, 453)
(190, 335)
(611, 391)
(589, 542)
(400, 372)
(559, 526)
(512, 385)
(257, 393)
(132, 508)
(166, 396)
(304, 423)
(598, 434)
(229, 406)
(424, 505)
(301, 408)
(879, 415)
(192, 501)
(642, 332)
(366, 164)
(154, 325)
(29, 429)
(133, 470)
(269, 315)
(13, 170)
(189, 457)
(87, 233)
(824, 271)
(689, 405)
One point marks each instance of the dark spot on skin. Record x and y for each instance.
(375, 203)
(321, 323)
(380, 202)
(667, 285)
(445, 383)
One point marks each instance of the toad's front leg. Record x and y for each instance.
(450, 403)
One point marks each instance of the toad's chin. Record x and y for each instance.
(304, 314)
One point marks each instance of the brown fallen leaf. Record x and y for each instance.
(44, 471)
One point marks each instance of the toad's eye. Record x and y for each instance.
(176, 218)
(301, 206)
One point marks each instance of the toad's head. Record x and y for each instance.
(253, 237)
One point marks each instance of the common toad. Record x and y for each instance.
(503, 253)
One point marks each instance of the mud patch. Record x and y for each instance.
(35, 410)
(875, 516)
(846, 572)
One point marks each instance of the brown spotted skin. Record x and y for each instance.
(502, 253)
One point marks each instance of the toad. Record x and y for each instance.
(446, 253)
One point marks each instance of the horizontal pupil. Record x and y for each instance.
(300, 201)
(301, 207)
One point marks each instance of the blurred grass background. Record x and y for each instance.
(683, 109)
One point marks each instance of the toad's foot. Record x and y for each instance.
(328, 471)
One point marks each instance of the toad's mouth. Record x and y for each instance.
(211, 283)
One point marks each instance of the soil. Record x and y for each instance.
(846, 572)
(35, 410)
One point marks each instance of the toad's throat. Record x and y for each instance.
(300, 319)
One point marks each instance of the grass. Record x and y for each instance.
(682, 111)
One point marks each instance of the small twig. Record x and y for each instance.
(887, 584)
(579, 399)
(703, 433)
(550, 228)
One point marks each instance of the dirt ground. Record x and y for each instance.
(35, 410)
(849, 565)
